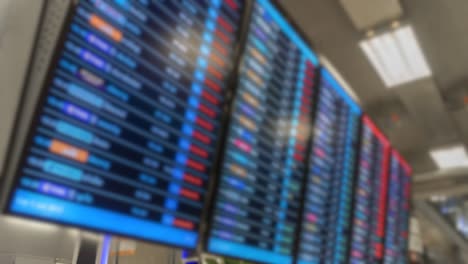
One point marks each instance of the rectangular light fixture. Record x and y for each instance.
(396, 56)
(451, 157)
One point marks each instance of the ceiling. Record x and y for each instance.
(418, 116)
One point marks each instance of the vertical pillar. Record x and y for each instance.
(87, 249)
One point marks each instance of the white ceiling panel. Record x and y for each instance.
(367, 13)
(424, 102)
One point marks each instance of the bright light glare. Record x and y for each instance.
(396, 56)
(450, 157)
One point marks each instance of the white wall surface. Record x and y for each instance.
(18, 23)
(37, 240)
(34, 260)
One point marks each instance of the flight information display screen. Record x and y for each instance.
(326, 221)
(257, 208)
(370, 196)
(126, 129)
(396, 236)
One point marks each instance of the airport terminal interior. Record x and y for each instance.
(233, 132)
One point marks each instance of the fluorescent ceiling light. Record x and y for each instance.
(450, 157)
(396, 56)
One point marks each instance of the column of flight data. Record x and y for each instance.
(258, 203)
(370, 196)
(125, 135)
(327, 209)
(392, 229)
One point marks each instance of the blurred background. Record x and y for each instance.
(424, 114)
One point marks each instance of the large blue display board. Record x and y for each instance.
(326, 219)
(257, 208)
(125, 132)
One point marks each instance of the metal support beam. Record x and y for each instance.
(449, 174)
(443, 182)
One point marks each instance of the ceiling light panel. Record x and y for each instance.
(452, 157)
(396, 56)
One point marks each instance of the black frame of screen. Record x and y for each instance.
(9, 182)
(215, 194)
